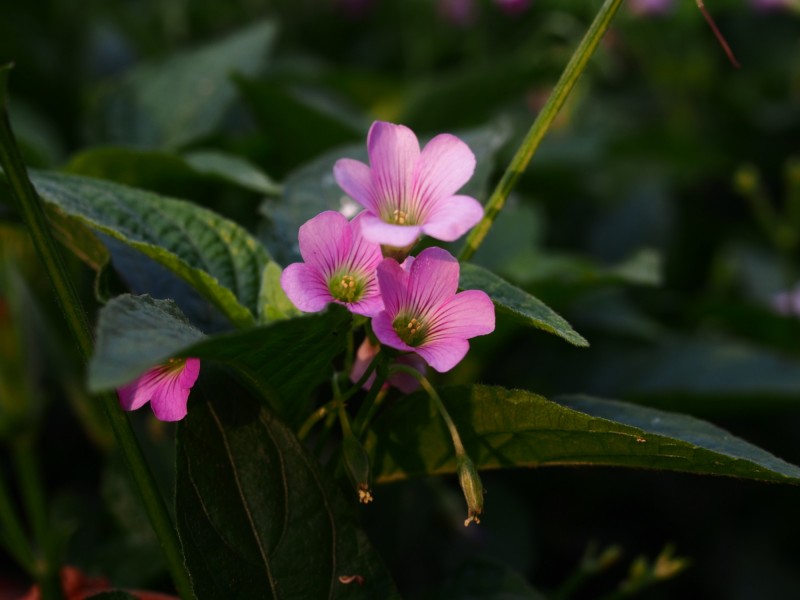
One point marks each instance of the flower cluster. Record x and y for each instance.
(363, 264)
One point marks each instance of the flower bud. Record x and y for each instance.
(472, 487)
(357, 463)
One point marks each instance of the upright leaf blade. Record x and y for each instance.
(216, 256)
(177, 101)
(518, 303)
(256, 514)
(514, 428)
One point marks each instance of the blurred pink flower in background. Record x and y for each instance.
(460, 13)
(651, 7)
(402, 381)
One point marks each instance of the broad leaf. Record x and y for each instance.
(512, 428)
(282, 362)
(172, 103)
(215, 256)
(256, 512)
(231, 168)
(518, 303)
(165, 170)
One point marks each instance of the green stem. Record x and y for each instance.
(32, 211)
(30, 481)
(426, 385)
(368, 406)
(541, 125)
(12, 533)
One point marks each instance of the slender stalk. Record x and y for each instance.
(574, 69)
(368, 406)
(12, 533)
(32, 211)
(448, 420)
(30, 480)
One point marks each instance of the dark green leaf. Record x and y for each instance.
(232, 168)
(164, 170)
(512, 428)
(518, 303)
(255, 512)
(216, 256)
(289, 112)
(172, 103)
(282, 362)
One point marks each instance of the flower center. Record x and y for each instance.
(399, 217)
(346, 288)
(412, 331)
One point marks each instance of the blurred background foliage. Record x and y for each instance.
(661, 217)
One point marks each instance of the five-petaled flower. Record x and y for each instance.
(166, 387)
(339, 267)
(408, 192)
(424, 314)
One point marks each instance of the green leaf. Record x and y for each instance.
(513, 428)
(232, 168)
(184, 98)
(518, 304)
(135, 333)
(281, 362)
(215, 256)
(255, 511)
(273, 303)
(290, 111)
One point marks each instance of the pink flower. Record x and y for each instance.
(339, 266)
(166, 387)
(407, 192)
(424, 314)
(402, 381)
(651, 7)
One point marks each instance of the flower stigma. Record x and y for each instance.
(411, 331)
(346, 288)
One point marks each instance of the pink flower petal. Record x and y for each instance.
(166, 387)
(379, 232)
(444, 166)
(466, 315)
(169, 403)
(324, 240)
(306, 287)
(444, 354)
(452, 217)
(393, 153)
(433, 278)
(355, 178)
(383, 330)
(393, 284)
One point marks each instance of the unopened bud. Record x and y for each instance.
(357, 462)
(472, 487)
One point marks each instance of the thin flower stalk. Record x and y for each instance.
(572, 72)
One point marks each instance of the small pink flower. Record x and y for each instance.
(166, 387)
(339, 266)
(424, 314)
(651, 7)
(402, 381)
(408, 192)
